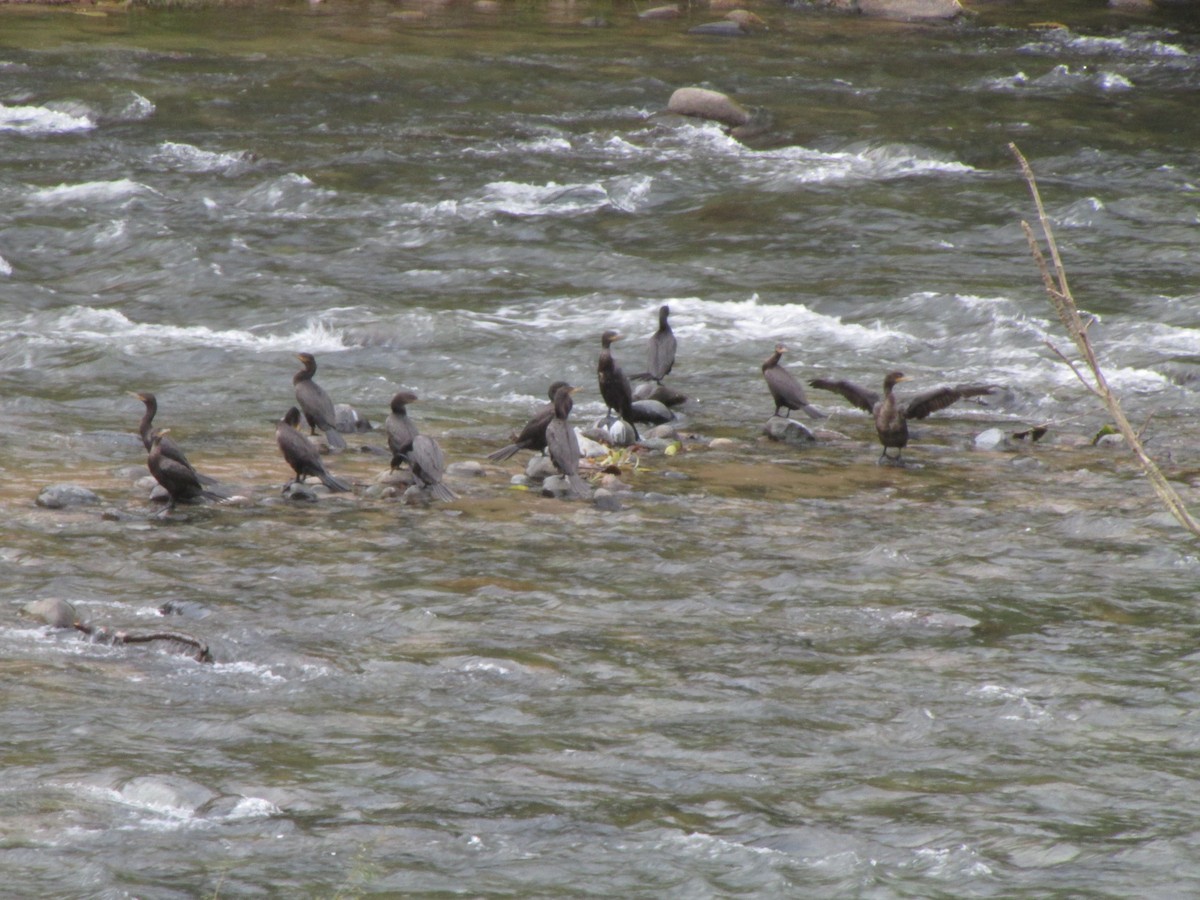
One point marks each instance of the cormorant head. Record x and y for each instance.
(609, 337)
(892, 379)
(401, 399)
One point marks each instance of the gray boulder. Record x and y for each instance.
(52, 611)
(903, 10)
(62, 496)
(789, 431)
(651, 412)
(348, 420)
(701, 103)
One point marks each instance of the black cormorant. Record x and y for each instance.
(401, 430)
(786, 390)
(428, 466)
(315, 403)
(614, 386)
(660, 354)
(301, 455)
(167, 446)
(891, 414)
(533, 435)
(561, 442)
(177, 478)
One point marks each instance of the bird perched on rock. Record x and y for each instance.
(401, 430)
(614, 385)
(892, 414)
(179, 479)
(533, 435)
(168, 448)
(660, 353)
(561, 442)
(785, 389)
(315, 403)
(301, 455)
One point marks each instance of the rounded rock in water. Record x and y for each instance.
(789, 431)
(62, 496)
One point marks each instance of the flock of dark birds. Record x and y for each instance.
(548, 432)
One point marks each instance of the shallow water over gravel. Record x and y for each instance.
(775, 670)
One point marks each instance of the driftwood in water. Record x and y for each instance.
(108, 636)
(1055, 282)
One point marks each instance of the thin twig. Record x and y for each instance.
(1068, 313)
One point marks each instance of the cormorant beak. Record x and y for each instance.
(573, 389)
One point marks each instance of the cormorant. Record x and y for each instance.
(614, 386)
(428, 466)
(315, 403)
(178, 478)
(892, 415)
(786, 390)
(533, 435)
(401, 430)
(562, 443)
(301, 455)
(660, 354)
(167, 446)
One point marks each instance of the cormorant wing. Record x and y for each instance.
(858, 396)
(921, 405)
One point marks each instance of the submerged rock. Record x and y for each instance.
(54, 612)
(670, 11)
(902, 10)
(606, 500)
(299, 493)
(701, 103)
(789, 431)
(720, 28)
(62, 496)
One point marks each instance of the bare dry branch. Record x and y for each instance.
(1068, 313)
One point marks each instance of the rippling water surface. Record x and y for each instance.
(776, 670)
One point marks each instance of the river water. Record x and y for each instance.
(776, 670)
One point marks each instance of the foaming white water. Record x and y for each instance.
(792, 165)
(698, 322)
(515, 199)
(1060, 77)
(42, 120)
(5, 266)
(1129, 44)
(90, 192)
(136, 109)
(85, 325)
(188, 158)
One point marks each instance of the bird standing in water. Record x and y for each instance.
(315, 402)
(660, 353)
(179, 479)
(168, 448)
(561, 442)
(301, 455)
(892, 414)
(785, 389)
(614, 385)
(401, 430)
(428, 465)
(533, 435)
